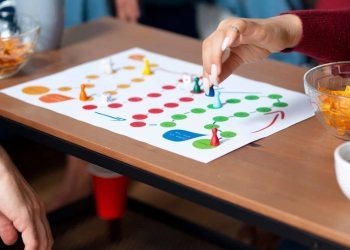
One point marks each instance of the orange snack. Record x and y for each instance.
(336, 109)
(13, 53)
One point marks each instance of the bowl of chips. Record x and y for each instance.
(19, 35)
(328, 89)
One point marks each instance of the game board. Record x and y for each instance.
(161, 110)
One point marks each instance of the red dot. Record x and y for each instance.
(115, 105)
(171, 105)
(154, 95)
(168, 87)
(180, 80)
(186, 99)
(139, 117)
(197, 93)
(90, 107)
(155, 111)
(137, 124)
(135, 99)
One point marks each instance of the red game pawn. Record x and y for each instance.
(215, 139)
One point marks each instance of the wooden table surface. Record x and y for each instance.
(288, 176)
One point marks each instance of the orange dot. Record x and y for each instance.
(153, 65)
(129, 67)
(65, 89)
(89, 85)
(35, 90)
(137, 57)
(92, 76)
(111, 92)
(137, 80)
(123, 86)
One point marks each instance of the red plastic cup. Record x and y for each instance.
(110, 191)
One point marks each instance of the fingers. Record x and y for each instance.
(37, 233)
(8, 232)
(128, 10)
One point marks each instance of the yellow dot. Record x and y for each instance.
(92, 76)
(65, 89)
(137, 80)
(111, 92)
(35, 90)
(89, 85)
(123, 86)
(89, 99)
(153, 65)
(129, 67)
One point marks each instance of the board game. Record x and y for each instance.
(162, 108)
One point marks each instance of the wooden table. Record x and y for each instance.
(284, 183)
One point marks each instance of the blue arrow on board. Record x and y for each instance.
(118, 119)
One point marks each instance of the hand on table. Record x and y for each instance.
(247, 41)
(128, 10)
(21, 209)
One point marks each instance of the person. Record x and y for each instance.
(320, 34)
(323, 34)
(21, 209)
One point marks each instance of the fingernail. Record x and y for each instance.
(213, 80)
(225, 43)
(206, 85)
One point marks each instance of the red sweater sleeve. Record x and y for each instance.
(326, 34)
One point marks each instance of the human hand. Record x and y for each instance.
(21, 209)
(246, 41)
(128, 10)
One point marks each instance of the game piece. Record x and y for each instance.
(217, 103)
(214, 139)
(107, 66)
(147, 68)
(83, 96)
(196, 87)
(211, 92)
(106, 97)
(187, 79)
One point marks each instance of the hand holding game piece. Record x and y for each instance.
(209, 90)
(83, 96)
(249, 40)
(215, 139)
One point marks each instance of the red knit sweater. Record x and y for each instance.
(326, 34)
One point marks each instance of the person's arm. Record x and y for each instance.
(128, 10)
(21, 209)
(326, 34)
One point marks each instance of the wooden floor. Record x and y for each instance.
(44, 167)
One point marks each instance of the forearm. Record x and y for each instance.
(326, 34)
(6, 164)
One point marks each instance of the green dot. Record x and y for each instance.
(280, 104)
(179, 117)
(241, 114)
(274, 96)
(251, 97)
(168, 124)
(228, 134)
(210, 126)
(202, 144)
(263, 109)
(198, 111)
(233, 101)
(220, 118)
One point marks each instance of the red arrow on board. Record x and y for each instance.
(274, 119)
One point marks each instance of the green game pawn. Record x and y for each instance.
(196, 87)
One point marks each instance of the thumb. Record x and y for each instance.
(8, 232)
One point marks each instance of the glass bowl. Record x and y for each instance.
(328, 89)
(19, 34)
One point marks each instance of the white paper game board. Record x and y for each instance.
(161, 110)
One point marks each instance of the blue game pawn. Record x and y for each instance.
(211, 92)
(217, 103)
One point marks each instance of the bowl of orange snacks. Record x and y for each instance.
(19, 35)
(328, 89)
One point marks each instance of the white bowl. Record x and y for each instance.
(342, 167)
